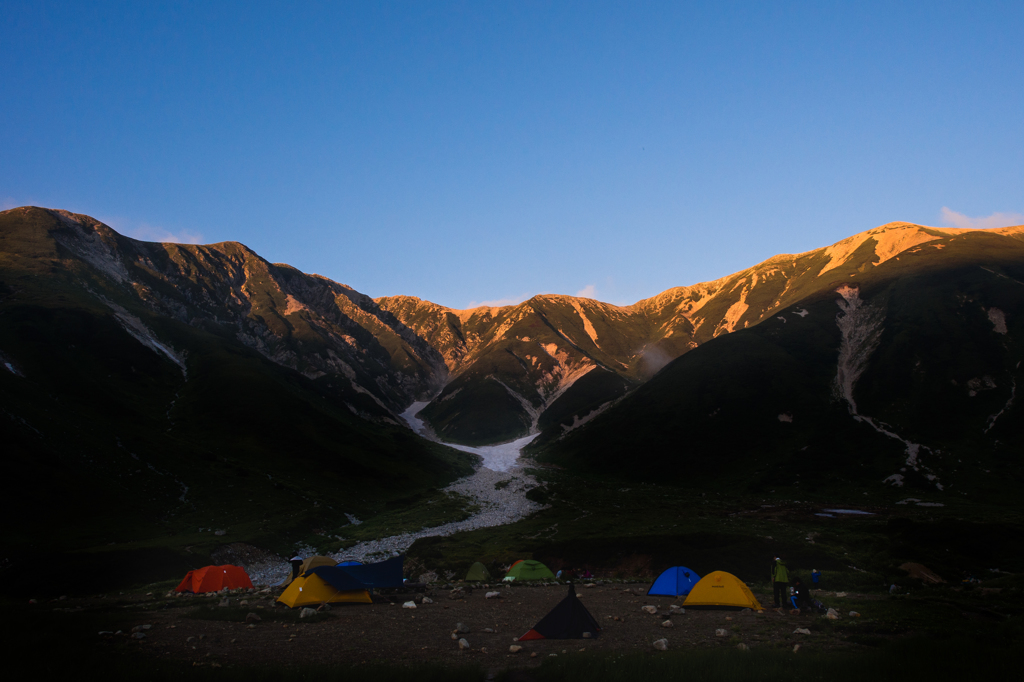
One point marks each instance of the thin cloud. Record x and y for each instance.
(497, 303)
(954, 219)
(589, 291)
(151, 233)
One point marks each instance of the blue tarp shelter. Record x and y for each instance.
(674, 582)
(363, 576)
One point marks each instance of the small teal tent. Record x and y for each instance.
(674, 582)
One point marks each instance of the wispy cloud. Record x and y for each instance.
(954, 219)
(498, 302)
(152, 233)
(589, 291)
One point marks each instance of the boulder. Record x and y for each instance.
(801, 631)
(427, 600)
(252, 618)
(666, 623)
(225, 602)
(832, 615)
(462, 628)
(492, 595)
(306, 612)
(720, 632)
(463, 644)
(796, 648)
(649, 609)
(742, 647)
(409, 605)
(515, 649)
(661, 644)
(139, 635)
(587, 635)
(854, 614)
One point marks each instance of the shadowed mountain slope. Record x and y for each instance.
(519, 369)
(157, 387)
(898, 364)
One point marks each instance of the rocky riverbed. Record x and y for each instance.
(499, 505)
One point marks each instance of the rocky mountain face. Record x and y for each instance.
(554, 362)
(891, 360)
(157, 388)
(549, 364)
(304, 322)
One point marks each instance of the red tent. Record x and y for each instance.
(214, 578)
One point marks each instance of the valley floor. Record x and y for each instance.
(183, 633)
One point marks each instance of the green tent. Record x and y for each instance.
(529, 570)
(478, 572)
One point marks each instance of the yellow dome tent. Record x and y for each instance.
(723, 590)
(312, 562)
(313, 590)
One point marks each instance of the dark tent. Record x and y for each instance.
(569, 620)
(350, 563)
(383, 574)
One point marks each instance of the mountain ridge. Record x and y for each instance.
(515, 367)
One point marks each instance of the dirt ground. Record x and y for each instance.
(387, 632)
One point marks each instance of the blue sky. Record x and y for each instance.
(477, 152)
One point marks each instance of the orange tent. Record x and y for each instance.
(214, 578)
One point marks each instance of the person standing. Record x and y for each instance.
(780, 582)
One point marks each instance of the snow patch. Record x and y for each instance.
(998, 319)
(10, 366)
(141, 333)
(802, 312)
(1009, 403)
(861, 328)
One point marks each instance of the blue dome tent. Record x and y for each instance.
(674, 582)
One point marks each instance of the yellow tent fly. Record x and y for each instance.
(722, 589)
(313, 591)
(312, 562)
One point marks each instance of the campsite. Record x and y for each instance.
(184, 631)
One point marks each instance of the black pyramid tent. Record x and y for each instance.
(569, 620)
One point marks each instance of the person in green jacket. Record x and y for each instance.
(780, 582)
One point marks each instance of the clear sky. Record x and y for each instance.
(482, 151)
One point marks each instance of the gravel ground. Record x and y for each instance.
(364, 633)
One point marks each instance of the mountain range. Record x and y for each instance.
(136, 371)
